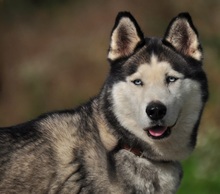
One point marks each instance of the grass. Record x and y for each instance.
(201, 170)
(198, 181)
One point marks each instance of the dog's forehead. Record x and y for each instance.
(155, 69)
(157, 54)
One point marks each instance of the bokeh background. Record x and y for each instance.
(53, 56)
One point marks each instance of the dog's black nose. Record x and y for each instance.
(156, 110)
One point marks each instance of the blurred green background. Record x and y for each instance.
(53, 56)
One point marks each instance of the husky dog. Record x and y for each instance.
(129, 138)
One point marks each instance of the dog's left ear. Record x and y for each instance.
(183, 36)
(125, 37)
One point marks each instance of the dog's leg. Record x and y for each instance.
(139, 175)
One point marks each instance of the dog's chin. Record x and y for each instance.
(158, 132)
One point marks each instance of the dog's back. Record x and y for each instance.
(26, 160)
(60, 152)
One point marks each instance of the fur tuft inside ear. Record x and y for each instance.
(125, 36)
(183, 36)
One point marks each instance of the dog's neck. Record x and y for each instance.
(109, 140)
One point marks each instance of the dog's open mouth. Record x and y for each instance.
(158, 132)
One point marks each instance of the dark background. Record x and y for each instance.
(53, 56)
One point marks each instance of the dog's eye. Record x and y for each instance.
(138, 82)
(170, 79)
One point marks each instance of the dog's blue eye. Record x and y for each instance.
(138, 82)
(171, 79)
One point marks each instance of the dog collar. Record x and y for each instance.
(134, 150)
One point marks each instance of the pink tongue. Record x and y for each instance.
(157, 131)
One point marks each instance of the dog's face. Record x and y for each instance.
(159, 87)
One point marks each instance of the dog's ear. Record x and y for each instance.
(125, 37)
(183, 36)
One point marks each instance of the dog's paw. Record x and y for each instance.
(135, 173)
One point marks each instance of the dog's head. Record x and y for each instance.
(157, 86)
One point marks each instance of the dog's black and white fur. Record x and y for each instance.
(129, 138)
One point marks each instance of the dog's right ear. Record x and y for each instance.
(125, 37)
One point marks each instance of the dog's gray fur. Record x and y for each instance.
(93, 148)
